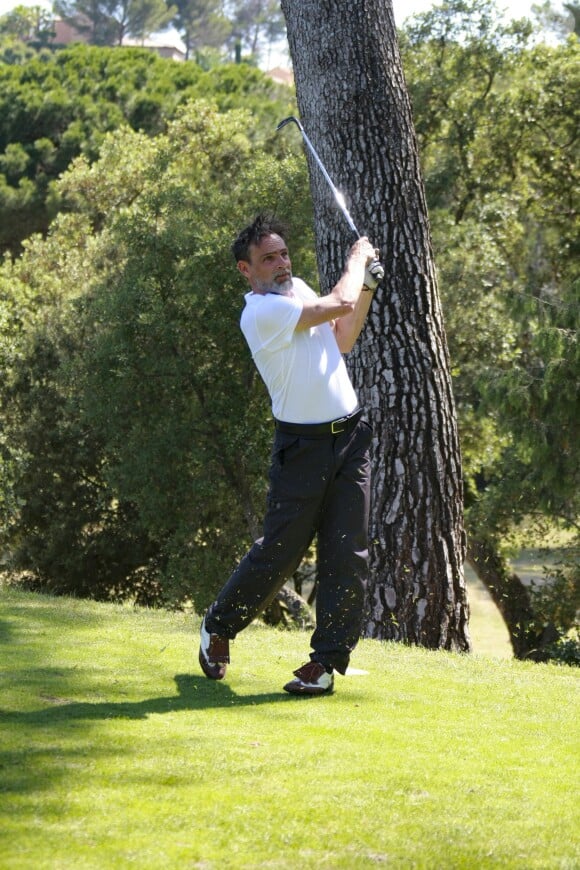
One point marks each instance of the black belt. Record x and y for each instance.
(333, 427)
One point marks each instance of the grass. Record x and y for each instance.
(489, 634)
(116, 752)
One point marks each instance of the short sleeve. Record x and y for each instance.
(268, 322)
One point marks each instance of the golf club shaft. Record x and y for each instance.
(337, 194)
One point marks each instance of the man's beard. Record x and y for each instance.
(281, 288)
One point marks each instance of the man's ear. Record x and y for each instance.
(244, 268)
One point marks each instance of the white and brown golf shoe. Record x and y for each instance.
(214, 654)
(311, 679)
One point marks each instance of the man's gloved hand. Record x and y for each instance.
(374, 274)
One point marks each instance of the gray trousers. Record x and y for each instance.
(318, 486)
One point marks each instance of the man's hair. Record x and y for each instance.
(263, 225)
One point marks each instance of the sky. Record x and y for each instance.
(402, 9)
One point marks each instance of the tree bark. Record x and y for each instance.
(355, 108)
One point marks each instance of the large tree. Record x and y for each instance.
(354, 103)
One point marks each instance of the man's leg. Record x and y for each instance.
(299, 476)
(343, 553)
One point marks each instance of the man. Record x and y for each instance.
(320, 468)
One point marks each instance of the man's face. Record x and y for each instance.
(269, 269)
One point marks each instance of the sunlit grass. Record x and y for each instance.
(488, 631)
(116, 752)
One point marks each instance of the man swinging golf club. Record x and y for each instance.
(320, 467)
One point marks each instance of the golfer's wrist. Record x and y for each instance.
(358, 258)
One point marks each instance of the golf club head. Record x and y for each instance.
(290, 120)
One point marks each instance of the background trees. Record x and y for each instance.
(107, 453)
(498, 137)
(55, 107)
(109, 22)
(140, 421)
(32, 24)
(201, 24)
(246, 28)
(257, 23)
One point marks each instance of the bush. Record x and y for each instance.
(144, 426)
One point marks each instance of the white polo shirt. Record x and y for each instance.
(303, 370)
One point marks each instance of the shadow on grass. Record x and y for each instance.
(57, 741)
(193, 693)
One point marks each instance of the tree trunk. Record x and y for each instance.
(512, 599)
(354, 106)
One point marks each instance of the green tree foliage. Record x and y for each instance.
(142, 422)
(257, 23)
(109, 22)
(56, 107)
(63, 529)
(140, 18)
(458, 58)
(201, 24)
(497, 122)
(573, 10)
(113, 354)
(32, 24)
(558, 19)
(91, 18)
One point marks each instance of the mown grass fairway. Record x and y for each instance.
(116, 752)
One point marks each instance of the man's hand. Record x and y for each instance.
(362, 250)
(374, 274)
(374, 270)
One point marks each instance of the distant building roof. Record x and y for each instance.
(65, 32)
(167, 49)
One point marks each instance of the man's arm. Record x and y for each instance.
(346, 302)
(348, 328)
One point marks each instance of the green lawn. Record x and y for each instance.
(116, 752)
(488, 631)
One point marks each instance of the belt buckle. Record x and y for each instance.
(337, 423)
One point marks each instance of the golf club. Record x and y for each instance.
(337, 194)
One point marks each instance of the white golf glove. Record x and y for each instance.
(374, 274)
